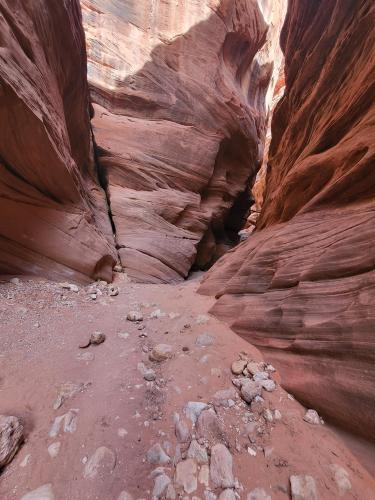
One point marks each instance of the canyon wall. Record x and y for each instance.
(181, 92)
(302, 287)
(54, 219)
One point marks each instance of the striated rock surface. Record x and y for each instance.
(303, 287)
(181, 97)
(54, 220)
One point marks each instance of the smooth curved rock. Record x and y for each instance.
(54, 219)
(181, 100)
(302, 287)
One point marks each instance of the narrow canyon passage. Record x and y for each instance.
(187, 278)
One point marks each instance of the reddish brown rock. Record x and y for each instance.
(181, 98)
(54, 218)
(303, 287)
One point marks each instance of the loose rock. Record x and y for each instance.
(193, 409)
(209, 428)
(134, 316)
(161, 352)
(221, 467)
(11, 438)
(238, 366)
(186, 475)
(268, 385)
(53, 449)
(101, 463)
(303, 488)
(204, 340)
(182, 431)
(161, 484)
(156, 455)
(197, 452)
(250, 390)
(312, 417)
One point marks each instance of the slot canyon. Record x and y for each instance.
(187, 278)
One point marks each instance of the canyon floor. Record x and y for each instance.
(103, 446)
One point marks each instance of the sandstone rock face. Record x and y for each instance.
(181, 96)
(303, 287)
(54, 219)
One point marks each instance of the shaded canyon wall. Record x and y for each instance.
(302, 287)
(53, 214)
(181, 95)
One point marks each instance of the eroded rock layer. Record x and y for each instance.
(54, 218)
(303, 287)
(181, 95)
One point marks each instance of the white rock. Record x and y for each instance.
(15, 281)
(202, 319)
(170, 493)
(69, 421)
(122, 432)
(123, 335)
(186, 475)
(341, 478)
(134, 316)
(312, 417)
(303, 488)
(254, 367)
(26, 460)
(268, 385)
(223, 397)
(267, 414)
(53, 449)
(204, 340)
(101, 463)
(221, 466)
(42, 493)
(258, 494)
(193, 409)
(258, 377)
(277, 415)
(157, 314)
(208, 495)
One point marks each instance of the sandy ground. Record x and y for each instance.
(41, 328)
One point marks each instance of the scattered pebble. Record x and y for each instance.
(258, 494)
(249, 390)
(312, 417)
(161, 352)
(303, 488)
(134, 316)
(205, 340)
(53, 449)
